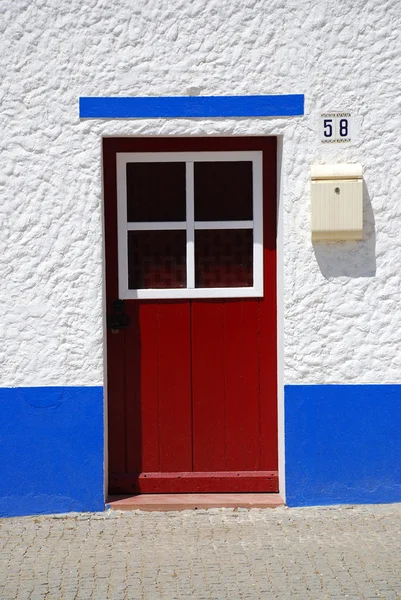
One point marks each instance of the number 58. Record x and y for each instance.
(342, 127)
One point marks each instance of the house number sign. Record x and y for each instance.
(336, 127)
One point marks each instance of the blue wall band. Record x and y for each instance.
(342, 444)
(52, 449)
(191, 106)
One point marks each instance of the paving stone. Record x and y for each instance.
(347, 553)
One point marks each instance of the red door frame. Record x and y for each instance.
(121, 482)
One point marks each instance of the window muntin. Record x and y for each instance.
(213, 248)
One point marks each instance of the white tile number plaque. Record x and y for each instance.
(335, 127)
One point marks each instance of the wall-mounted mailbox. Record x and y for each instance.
(337, 202)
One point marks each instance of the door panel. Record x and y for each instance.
(192, 383)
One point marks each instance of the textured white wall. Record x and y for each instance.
(342, 309)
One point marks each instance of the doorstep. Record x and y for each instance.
(165, 502)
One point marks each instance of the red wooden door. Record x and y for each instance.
(192, 383)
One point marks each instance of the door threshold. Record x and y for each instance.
(176, 502)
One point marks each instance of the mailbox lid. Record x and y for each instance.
(334, 172)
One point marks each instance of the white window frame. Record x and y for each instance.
(190, 226)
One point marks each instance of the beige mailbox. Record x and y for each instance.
(337, 202)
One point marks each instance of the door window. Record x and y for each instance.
(190, 225)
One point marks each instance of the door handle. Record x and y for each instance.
(118, 318)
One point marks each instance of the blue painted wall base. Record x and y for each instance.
(342, 444)
(52, 448)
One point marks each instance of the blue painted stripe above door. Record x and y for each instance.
(289, 105)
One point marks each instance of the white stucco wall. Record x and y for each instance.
(340, 306)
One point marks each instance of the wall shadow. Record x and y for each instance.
(353, 258)
(123, 351)
(124, 405)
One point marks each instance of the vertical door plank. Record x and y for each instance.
(116, 410)
(242, 385)
(142, 389)
(174, 381)
(208, 386)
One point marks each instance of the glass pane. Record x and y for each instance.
(223, 191)
(156, 192)
(156, 259)
(224, 258)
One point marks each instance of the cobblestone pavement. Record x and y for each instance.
(319, 553)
